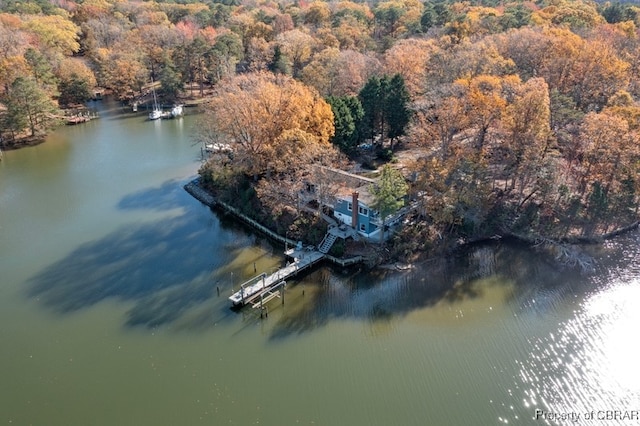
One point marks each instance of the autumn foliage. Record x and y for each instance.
(523, 116)
(270, 121)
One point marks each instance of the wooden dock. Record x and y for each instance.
(77, 119)
(260, 285)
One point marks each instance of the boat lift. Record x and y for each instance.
(268, 294)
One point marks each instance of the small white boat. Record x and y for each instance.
(217, 147)
(155, 114)
(177, 111)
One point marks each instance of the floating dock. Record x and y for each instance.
(258, 286)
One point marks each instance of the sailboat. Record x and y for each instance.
(156, 112)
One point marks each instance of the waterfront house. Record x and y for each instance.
(347, 197)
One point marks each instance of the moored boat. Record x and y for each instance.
(177, 111)
(156, 113)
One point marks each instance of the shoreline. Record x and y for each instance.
(196, 191)
(25, 142)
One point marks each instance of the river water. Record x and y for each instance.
(110, 313)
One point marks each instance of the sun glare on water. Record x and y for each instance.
(618, 333)
(589, 367)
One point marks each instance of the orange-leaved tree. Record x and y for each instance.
(272, 122)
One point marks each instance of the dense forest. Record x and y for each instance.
(514, 117)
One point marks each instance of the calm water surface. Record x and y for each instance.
(109, 311)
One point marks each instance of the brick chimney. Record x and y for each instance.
(354, 209)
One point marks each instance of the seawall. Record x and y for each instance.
(206, 198)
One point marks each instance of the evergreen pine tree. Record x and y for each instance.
(397, 110)
(28, 106)
(370, 98)
(385, 103)
(347, 113)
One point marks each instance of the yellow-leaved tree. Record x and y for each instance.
(273, 123)
(486, 99)
(527, 125)
(55, 33)
(409, 58)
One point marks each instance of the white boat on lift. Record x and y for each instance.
(177, 111)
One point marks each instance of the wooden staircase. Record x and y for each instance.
(327, 243)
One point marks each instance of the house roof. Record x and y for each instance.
(351, 179)
(364, 195)
(345, 183)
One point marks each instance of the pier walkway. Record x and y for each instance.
(252, 289)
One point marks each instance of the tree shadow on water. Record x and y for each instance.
(163, 197)
(166, 267)
(373, 296)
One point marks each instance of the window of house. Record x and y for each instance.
(362, 227)
(363, 211)
(349, 206)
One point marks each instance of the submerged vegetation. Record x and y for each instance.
(506, 118)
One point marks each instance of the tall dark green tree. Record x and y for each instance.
(170, 79)
(31, 7)
(74, 90)
(224, 56)
(616, 12)
(40, 69)
(442, 13)
(12, 122)
(387, 17)
(388, 194)
(396, 107)
(371, 99)
(428, 18)
(347, 113)
(28, 107)
(385, 102)
(280, 63)
(216, 16)
(198, 50)
(515, 17)
(357, 113)
(191, 62)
